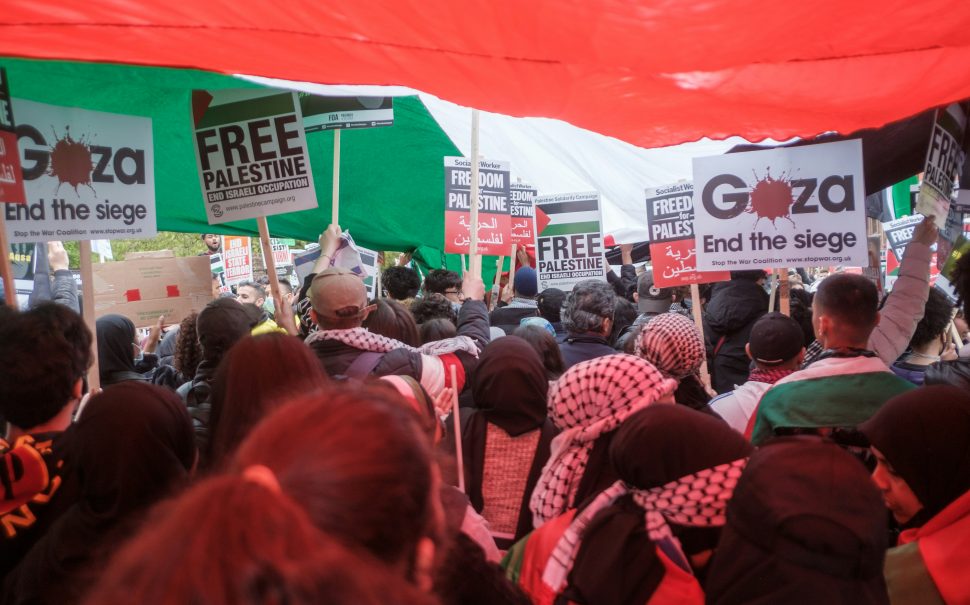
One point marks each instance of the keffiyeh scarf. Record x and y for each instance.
(435, 356)
(696, 500)
(672, 343)
(591, 399)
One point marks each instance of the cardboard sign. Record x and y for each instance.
(145, 288)
(522, 204)
(87, 175)
(900, 232)
(569, 240)
(670, 220)
(251, 153)
(281, 253)
(237, 259)
(494, 218)
(787, 207)
(11, 179)
(944, 161)
(328, 113)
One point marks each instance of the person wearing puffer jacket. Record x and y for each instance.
(734, 308)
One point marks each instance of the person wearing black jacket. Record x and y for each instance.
(731, 313)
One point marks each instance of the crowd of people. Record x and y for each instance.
(583, 446)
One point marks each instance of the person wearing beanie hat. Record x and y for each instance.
(921, 442)
(775, 347)
(522, 305)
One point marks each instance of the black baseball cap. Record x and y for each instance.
(775, 339)
(651, 299)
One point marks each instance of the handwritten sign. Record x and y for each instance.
(494, 215)
(670, 220)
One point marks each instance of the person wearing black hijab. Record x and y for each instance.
(804, 526)
(220, 324)
(644, 538)
(921, 442)
(506, 437)
(116, 350)
(131, 447)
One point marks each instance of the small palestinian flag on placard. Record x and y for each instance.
(569, 216)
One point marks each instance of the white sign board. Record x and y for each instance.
(87, 174)
(569, 240)
(787, 207)
(328, 113)
(944, 161)
(251, 153)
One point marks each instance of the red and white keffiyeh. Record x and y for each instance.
(436, 357)
(672, 344)
(696, 500)
(591, 399)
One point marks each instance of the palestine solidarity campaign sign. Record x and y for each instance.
(252, 153)
(569, 240)
(786, 207)
(670, 218)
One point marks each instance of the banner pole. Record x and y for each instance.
(512, 259)
(270, 262)
(695, 296)
(784, 291)
(456, 419)
(87, 303)
(474, 259)
(377, 282)
(335, 207)
(464, 268)
(6, 271)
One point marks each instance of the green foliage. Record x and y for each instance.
(182, 244)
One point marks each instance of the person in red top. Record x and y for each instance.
(921, 442)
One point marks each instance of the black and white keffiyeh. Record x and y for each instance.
(591, 399)
(672, 343)
(696, 500)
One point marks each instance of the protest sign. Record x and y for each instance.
(522, 207)
(281, 253)
(251, 153)
(569, 240)
(327, 113)
(951, 231)
(670, 220)
(237, 259)
(962, 199)
(900, 232)
(786, 207)
(494, 218)
(892, 269)
(11, 179)
(368, 260)
(142, 289)
(944, 161)
(87, 175)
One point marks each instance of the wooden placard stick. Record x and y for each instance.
(493, 301)
(474, 258)
(784, 291)
(335, 207)
(771, 296)
(270, 262)
(6, 271)
(457, 429)
(695, 296)
(87, 303)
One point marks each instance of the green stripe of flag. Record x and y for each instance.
(571, 228)
(241, 111)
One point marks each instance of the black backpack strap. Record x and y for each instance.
(363, 365)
